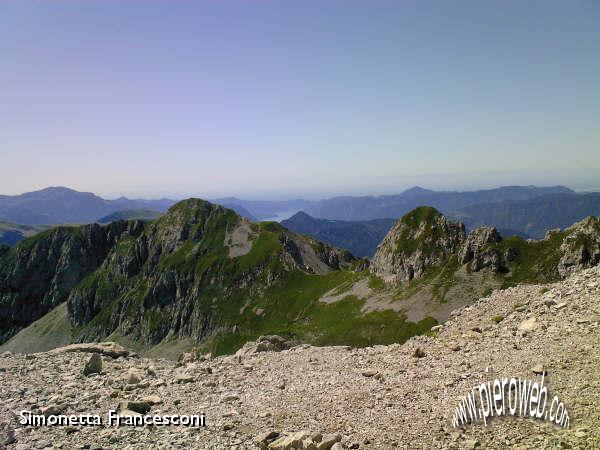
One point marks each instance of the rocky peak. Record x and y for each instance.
(477, 249)
(421, 239)
(581, 246)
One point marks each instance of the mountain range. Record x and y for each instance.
(203, 276)
(60, 205)
(526, 211)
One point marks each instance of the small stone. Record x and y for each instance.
(328, 441)
(183, 378)
(538, 369)
(140, 407)
(369, 373)
(94, 365)
(418, 353)
(7, 435)
(291, 441)
(529, 324)
(472, 443)
(152, 400)
(133, 376)
(263, 440)
(51, 410)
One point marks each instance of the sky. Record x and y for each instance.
(297, 98)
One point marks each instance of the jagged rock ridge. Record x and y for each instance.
(424, 240)
(171, 278)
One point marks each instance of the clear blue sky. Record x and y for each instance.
(297, 97)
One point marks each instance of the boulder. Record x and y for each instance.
(529, 324)
(139, 406)
(328, 441)
(94, 365)
(133, 376)
(272, 343)
(263, 440)
(111, 349)
(290, 441)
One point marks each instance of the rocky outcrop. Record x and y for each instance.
(581, 246)
(272, 343)
(151, 280)
(422, 239)
(111, 349)
(39, 273)
(479, 250)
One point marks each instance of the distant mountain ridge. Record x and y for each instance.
(131, 214)
(527, 211)
(60, 205)
(533, 217)
(360, 237)
(395, 206)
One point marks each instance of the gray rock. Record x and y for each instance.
(94, 365)
(272, 343)
(478, 251)
(422, 239)
(328, 441)
(291, 441)
(263, 440)
(7, 435)
(111, 349)
(140, 406)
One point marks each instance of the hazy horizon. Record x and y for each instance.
(274, 99)
(303, 197)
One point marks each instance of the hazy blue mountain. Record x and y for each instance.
(60, 205)
(534, 216)
(265, 209)
(361, 238)
(240, 210)
(395, 206)
(131, 214)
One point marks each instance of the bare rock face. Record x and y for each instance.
(581, 247)
(38, 274)
(421, 239)
(479, 252)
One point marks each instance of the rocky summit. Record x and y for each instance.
(276, 394)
